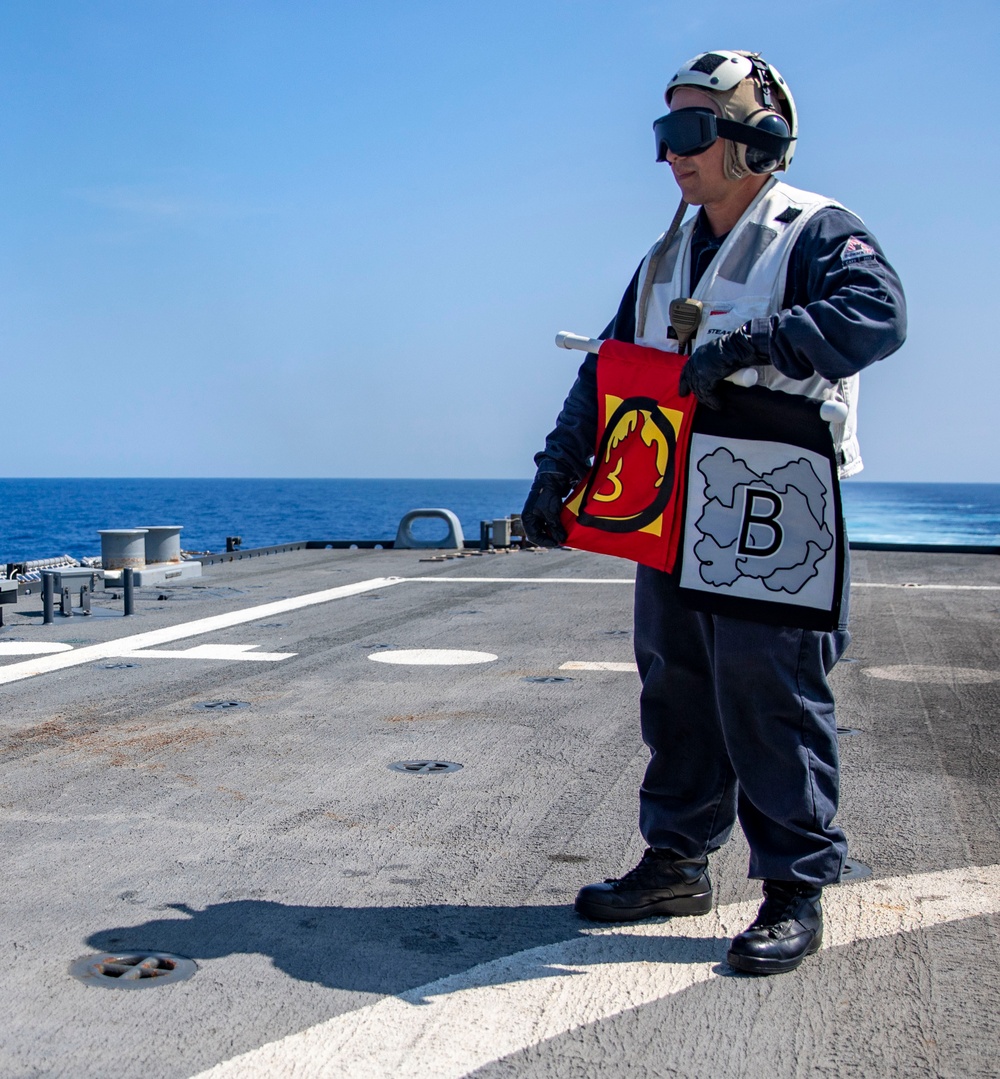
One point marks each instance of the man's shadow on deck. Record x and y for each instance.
(384, 950)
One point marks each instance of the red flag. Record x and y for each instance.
(630, 505)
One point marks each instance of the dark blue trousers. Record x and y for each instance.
(739, 720)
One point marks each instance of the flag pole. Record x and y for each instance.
(746, 377)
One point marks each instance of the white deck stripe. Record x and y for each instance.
(15, 672)
(232, 652)
(597, 665)
(451, 1027)
(529, 580)
(630, 580)
(931, 587)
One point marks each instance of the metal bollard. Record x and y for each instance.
(127, 591)
(47, 598)
(501, 532)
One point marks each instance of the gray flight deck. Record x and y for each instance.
(351, 920)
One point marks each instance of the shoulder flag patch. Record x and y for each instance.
(856, 250)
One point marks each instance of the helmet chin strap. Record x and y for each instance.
(654, 262)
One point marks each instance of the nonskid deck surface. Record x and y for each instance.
(349, 919)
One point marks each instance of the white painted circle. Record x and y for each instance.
(32, 648)
(906, 672)
(432, 657)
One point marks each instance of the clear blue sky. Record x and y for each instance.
(262, 238)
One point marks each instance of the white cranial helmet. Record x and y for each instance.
(750, 91)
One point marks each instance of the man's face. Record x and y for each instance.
(701, 178)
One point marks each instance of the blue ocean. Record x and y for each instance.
(42, 518)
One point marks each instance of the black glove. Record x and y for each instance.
(709, 364)
(540, 516)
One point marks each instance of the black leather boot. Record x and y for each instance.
(662, 883)
(788, 927)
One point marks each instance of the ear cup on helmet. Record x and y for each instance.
(764, 161)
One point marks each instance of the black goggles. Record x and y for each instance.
(689, 132)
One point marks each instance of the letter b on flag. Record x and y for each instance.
(761, 509)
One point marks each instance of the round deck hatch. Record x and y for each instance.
(425, 768)
(132, 970)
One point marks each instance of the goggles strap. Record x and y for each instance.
(752, 136)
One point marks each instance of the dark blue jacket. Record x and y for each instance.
(836, 317)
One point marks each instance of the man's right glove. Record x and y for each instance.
(540, 516)
(717, 359)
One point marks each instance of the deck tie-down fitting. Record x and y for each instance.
(405, 540)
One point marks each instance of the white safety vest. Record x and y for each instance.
(746, 280)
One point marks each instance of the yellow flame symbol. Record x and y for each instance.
(650, 434)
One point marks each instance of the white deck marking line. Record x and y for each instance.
(631, 580)
(529, 580)
(451, 1027)
(931, 587)
(207, 651)
(15, 672)
(597, 665)
(918, 674)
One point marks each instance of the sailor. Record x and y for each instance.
(738, 716)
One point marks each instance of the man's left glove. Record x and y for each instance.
(540, 516)
(709, 364)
